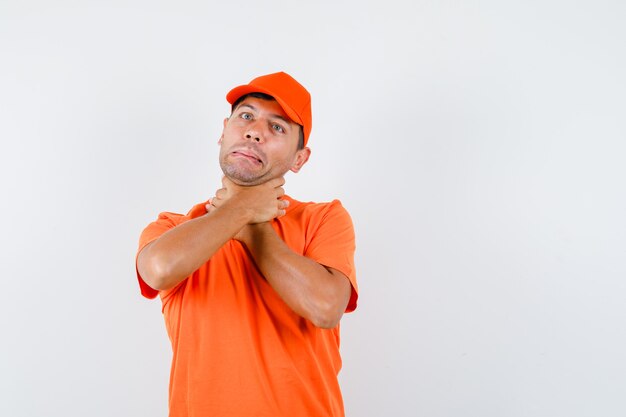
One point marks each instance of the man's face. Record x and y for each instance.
(259, 142)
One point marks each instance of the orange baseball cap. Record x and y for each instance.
(290, 94)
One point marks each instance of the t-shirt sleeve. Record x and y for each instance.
(332, 244)
(153, 231)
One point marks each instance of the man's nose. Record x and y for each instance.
(254, 136)
(254, 132)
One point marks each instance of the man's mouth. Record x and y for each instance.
(248, 155)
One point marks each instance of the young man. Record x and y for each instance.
(253, 283)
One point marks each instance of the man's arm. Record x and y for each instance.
(313, 291)
(179, 252)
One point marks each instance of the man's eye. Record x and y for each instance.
(278, 128)
(246, 116)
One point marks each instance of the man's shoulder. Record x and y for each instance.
(174, 218)
(314, 206)
(311, 211)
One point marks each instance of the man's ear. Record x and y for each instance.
(219, 141)
(301, 157)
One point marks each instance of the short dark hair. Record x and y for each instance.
(264, 96)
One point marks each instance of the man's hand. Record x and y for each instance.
(310, 289)
(262, 202)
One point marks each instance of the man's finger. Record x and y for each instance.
(221, 193)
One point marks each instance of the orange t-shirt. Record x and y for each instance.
(238, 349)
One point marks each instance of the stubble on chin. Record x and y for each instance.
(248, 178)
(245, 179)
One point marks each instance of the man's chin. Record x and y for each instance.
(248, 178)
(244, 180)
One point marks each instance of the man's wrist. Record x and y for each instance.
(237, 214)
(257, 235)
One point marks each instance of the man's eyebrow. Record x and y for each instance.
(247, 105)
(276, 116)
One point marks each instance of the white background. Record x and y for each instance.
(478, 145)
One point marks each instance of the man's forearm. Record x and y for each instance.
(313, 291)
(182, 250)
